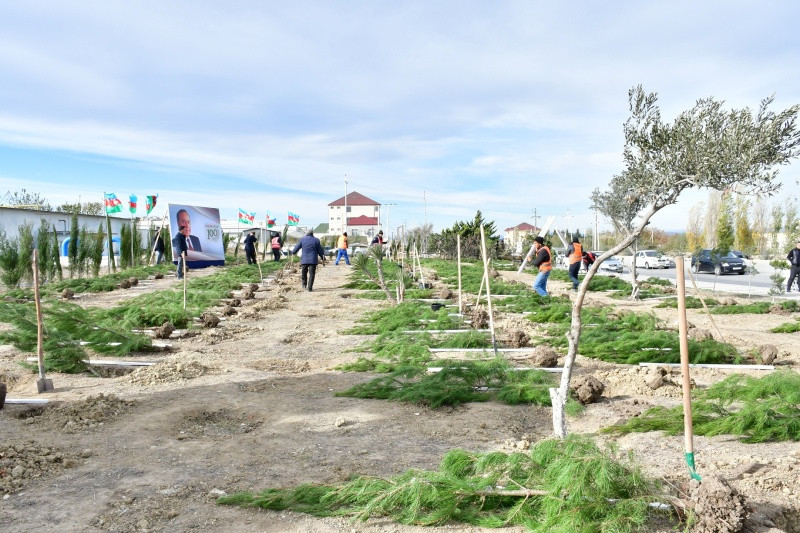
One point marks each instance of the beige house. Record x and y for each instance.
(356, 214)
(515, 235)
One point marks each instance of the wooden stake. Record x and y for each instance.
(183, 254)
(458, 258)
(42, 384)
(488, 291)
(687, 387)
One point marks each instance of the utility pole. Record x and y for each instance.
(535, 219)
(344, 220)
(596, 239)
(388, 227)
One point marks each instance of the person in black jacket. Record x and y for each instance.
(308, 259)
(794, 272)
(250, 247)
(158, 247)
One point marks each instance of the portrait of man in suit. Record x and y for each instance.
(185, 231)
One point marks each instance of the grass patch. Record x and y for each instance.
(691, 303)
(461, 382)
(578, 487)
(763, 409)
(787, 327)
(404, 316)
(66, 325)
(633, 338)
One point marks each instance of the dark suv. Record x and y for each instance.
(713, 261)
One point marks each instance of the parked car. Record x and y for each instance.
(651, 259)
(329, 251)
(612, 264)
(357, 248)
(711, 261)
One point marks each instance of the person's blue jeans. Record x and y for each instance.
(342, 253)
(574, 268)
(540, 285)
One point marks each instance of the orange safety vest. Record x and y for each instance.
(547, 266)
(342, 244)
(577, 254)
(276, 243)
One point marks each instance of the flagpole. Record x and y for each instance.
(108, 225)
(238, 235)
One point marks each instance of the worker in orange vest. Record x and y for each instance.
(575, 258)
(544, 261)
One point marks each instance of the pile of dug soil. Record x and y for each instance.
(168, 371)
(26, 461)
(78, 416)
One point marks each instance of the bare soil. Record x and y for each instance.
(249, 405)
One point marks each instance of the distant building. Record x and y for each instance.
(360, 216)
(516, 234)
(11, 218)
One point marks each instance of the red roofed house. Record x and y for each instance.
(516, 234)
(363, 215)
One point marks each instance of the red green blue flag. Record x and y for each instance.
(150, 203)
(246, 218)
(112, 203)
(132, 203)
(294, 219)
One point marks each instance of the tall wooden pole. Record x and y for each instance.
(458, 258)
(183, 254)
(688, 430)
(488, 291)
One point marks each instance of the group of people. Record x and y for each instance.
(250, 247)
(543, 259)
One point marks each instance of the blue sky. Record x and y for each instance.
(440, 107)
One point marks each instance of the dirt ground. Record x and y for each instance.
(250, 405)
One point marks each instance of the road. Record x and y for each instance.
(758, 284)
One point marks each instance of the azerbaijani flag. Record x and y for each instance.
(270, 221)
(150, 203)
(246, 218)
(294, 219)
(113, 204)
(132, 203)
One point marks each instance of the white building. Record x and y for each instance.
(356, 214)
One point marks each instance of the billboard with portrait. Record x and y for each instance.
(203, 231)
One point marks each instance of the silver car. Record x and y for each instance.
(612, 264)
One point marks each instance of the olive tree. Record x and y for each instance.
(706, 146)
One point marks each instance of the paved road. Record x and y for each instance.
(756, 285)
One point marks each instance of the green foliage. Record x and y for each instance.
(461, 382)
(755, 409)
(97, 245)
(446, 244)
(725, 230)
(84, 251)
(43, 250)
(72, 248)
(55, 254)
(125, 257)
(406, 315)
(788, 327)
(633, 338)
(107, 282)
(691, 303)
(26, 245)
(575, 487)
(9, 261)
(66, 326)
